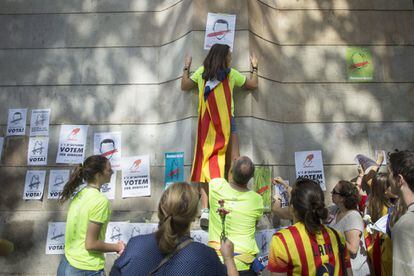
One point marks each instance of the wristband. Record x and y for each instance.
(185, 68)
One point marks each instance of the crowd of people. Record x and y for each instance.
(366, 232)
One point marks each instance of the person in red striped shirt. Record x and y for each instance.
(308, 247)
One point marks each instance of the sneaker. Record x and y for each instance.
(204, 218)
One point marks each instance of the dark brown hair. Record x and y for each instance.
(402, 162)
(243, 170)
(215, 61)
(308, 201)
(176, 210)
(91, 166)
(378, 200)
(349, 192)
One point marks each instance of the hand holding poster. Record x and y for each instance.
(220, 28)
(174, 168)
(39, 122)
(72, 142)
(309, 164)
(57, 180)
(108, 144)
(16, 123)
(55, 242)
(136, 176)
(34, 184)
(37, 152)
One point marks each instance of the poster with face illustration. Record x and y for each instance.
(108, 189)
(16, 123)
(220, 29)
(108, 144)
(39, 122)
(309, 164)
(72, 144)
(34, 185)
(57, 180)
(37, 152)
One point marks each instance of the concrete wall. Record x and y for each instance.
(116, 65)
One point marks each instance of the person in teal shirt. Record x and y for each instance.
(88, 215)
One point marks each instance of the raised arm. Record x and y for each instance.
(252, 82)
(186, 83)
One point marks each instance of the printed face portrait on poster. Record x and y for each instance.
(34, 185)
(37, 152)
(220, 28)
(55, 241)
(39, 122)
(16, 123)
(108, 144)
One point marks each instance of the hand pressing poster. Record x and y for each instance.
(16, 123)
(136, 180)
(34, 185)
(220, 29)
(72, 143)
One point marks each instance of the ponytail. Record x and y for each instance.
(75, 180)
(91, 166)
(176, 210)
(307, 200)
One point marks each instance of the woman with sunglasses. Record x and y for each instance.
(348, 221)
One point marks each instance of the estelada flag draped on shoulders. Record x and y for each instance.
(213, 134)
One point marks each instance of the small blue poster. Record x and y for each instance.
(174, 168)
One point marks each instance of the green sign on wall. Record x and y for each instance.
(263, 185)
(359, 65)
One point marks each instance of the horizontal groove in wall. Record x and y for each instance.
(96, 12)
(237, 117)
(178, 78)
(331, 9)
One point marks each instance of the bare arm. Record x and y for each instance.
(227, 251)
(93, 243)
(252, 82)
(349, 271)
(353, 238)
(186, 83)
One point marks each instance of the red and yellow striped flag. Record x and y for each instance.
(213, 134)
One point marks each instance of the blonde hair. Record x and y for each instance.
(176, 210)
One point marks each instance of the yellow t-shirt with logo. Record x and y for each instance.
(245, 208)
(235, 79)
(89, 204)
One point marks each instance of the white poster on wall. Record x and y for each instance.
(34, 185)
(309, 164)
(55, 241)
(37, 152)
(263, 239)
(108, 189)
(39, 122)
(57, 180)
(136, 176)
(16, 123)
(1, 146)
(72, 144)
(141, 228)
(118, 231)
(200, 236)
(220, 29)
(108, 144)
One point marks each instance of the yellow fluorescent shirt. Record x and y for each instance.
(88, 205)
(235, 79)
(245, 208)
